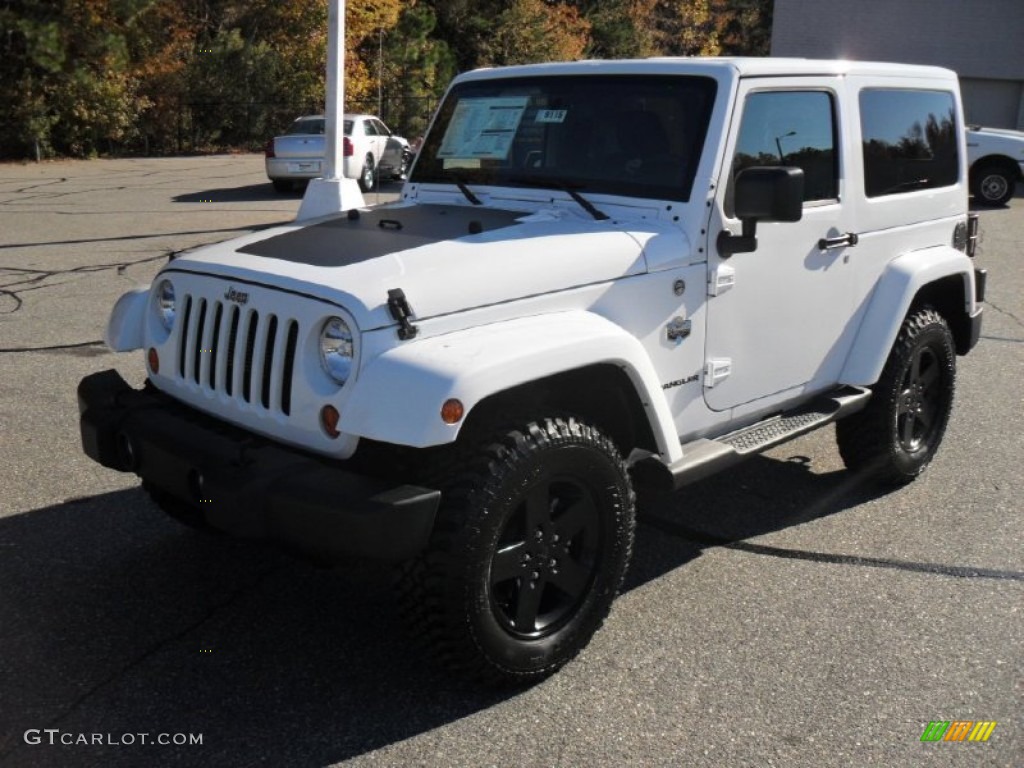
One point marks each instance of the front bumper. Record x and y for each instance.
(249, 486)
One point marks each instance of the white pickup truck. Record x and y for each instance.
(996, 158)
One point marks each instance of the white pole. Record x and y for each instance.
(334, 108)
(333, 193)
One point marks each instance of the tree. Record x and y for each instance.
(532, 30)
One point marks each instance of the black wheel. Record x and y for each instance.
(529, 550)
(368, 176)
(993, 184)
(897, 434)
(187, 514)
(282, 186)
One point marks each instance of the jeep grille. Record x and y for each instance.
(239, 352)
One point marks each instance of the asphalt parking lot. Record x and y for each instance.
(780, 614)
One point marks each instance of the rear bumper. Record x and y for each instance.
(303, 168)
(248, 486)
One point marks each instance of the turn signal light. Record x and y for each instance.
(347, 148)
(329, 418)
(154, 360)
(452, 411)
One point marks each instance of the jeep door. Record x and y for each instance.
(778, 316)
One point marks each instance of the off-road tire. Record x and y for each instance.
(530, 547)
(368, 175)
(182, 512)
(896, 436)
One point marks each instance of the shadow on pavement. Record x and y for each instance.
(266, 192)
(115, 620)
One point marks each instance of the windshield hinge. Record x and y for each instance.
(400, 310)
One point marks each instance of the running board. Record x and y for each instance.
(705, 457)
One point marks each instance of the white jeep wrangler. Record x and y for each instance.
(599, 274)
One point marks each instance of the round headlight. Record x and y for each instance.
(336, 349)
(165, 303)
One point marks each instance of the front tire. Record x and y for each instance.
(530, 548)
(896, 436)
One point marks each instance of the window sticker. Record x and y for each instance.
(483, 128)
(551, 115)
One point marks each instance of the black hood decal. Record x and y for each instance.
(341, 241)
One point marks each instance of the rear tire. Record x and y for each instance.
(993, 184)
(896, 436)
(368, 175)
(529, 550)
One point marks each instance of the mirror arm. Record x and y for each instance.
(728, 243)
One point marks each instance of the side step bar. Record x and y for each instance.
(705, 457)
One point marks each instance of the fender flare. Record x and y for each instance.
(890, 302)
(397, 397)
(127, 321)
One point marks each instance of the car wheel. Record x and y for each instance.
(368, 176)
(182, 512)
(993, 185)
(282, 186)
(895, 437)
(529, 550)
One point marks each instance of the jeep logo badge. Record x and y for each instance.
(239, 297)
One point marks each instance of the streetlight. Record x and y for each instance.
(778, 144)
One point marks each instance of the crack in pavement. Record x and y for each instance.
(33, 283)
(700, 537)
(53, 348)
(154, 649)
(84, 240)
(1006, 312)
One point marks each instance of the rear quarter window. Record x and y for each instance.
(909, 140)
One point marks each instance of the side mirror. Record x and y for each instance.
(767, 193)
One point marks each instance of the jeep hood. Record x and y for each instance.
(446, 258)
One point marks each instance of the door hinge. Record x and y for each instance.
(716, 369)
(721, 279)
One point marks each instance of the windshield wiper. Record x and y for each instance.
(464, 189)
(585, 204)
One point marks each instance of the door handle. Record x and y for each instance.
(828, 243)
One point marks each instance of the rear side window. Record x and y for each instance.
(909, 140)
(790, 128)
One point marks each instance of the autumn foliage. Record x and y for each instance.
(81, 77)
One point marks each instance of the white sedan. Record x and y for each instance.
(370, 152)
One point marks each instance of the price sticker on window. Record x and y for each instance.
(551, 115)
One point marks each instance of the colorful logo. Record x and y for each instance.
(958, 730)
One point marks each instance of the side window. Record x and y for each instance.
(369, 128)
(909, 140)
(791, 128)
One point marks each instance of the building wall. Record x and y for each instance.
(982, 40)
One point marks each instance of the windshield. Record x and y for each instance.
(639, 136)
